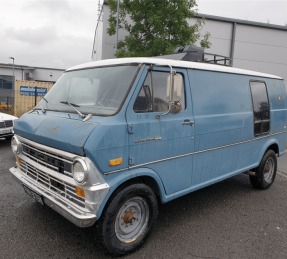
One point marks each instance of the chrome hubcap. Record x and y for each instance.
(268, 170)
(132, 219)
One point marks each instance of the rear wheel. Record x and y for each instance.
(265, 173)
(129, 219)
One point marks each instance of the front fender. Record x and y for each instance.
(115, 180)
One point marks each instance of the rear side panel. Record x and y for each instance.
(278, 101)
(225, 144)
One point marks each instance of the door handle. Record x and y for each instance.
(188, 122)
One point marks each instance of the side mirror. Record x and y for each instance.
(174, 87)
(174, 92)
(177, 88)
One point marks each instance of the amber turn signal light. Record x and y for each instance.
(80, 192)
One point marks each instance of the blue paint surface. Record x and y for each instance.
(56, 130)
(180, 158)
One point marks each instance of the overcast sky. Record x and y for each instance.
(60, 33)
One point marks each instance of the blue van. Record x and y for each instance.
(115, 138)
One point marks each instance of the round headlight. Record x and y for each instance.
(80, 170)
(16, 145)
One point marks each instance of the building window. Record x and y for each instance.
(6, 90)
(6, 82)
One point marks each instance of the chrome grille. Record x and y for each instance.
(6, 124)
(49, 160)
(59, 188)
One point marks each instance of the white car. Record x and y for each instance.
(6, 125)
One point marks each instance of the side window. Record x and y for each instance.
(261, 108)
(153, 94)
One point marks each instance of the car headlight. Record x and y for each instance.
(16, 145)
(80, 170)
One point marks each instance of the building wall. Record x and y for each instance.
(220, 38)
(37, 73)
(98, 45)
(8, 71)
(250, 45)
(105, 45)
(46, 74)
(109, 42)
(97, 52)
(263, 49)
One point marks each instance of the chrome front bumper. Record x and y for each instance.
(80, 218)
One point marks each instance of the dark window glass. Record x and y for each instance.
(6, 90)
(261, 108)
(143, 101)
(6, 82)
(153, 94)
(7, 85)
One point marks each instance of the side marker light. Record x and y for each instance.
(116, 161)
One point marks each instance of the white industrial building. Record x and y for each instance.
(249, 45)
(22, 72)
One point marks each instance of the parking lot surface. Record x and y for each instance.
(227, 220)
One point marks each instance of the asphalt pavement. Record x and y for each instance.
(282, 163)
(227, 220)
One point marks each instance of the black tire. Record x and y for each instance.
(128, 219)
(265, 173)
(8, 138)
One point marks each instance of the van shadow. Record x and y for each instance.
(5, 142)
(83, 243)
(205, 200)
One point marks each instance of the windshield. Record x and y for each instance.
(99, 91)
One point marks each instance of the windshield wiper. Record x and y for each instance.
(45, 99)
(73, 105)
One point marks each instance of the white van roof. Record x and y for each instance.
(174, 63)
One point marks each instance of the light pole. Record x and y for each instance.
(13, 83)
(13, 66)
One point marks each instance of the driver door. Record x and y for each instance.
(158, 140)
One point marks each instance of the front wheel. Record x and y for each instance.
(266, 171)
(129, 219)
